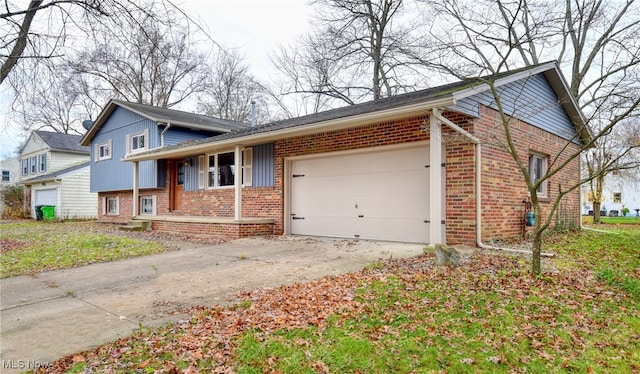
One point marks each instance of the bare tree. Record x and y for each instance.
(231, 90)
(357, 51)
(40, 30)
(154, 62)
(595, 42)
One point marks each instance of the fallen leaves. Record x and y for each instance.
(489, 302)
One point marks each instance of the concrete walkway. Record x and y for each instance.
(56, 313)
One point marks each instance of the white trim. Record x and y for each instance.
(105, 206)
(106, 145)
(153, 205)
(247, 167)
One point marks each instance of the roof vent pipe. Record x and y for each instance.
(253, 113)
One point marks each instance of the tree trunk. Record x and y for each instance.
(537, 250)
(21, 41)
(596, 212)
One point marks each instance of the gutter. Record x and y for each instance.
(162, 134)
(478, 148)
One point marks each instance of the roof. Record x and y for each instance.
(164, 115)
(56, 174)
(62, 142)
(417, 102)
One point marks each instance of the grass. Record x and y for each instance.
(30, 247)
(406, 316)
(628, 220)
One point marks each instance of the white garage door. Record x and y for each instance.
(382, 196)
(46, 197)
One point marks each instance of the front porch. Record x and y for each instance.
(224, 228)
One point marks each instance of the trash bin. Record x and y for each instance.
(39, 212)
(49, 212)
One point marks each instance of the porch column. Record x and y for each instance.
(435, 181)
(135, 189)
(237, 182)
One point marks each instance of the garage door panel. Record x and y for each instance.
(46, 197)
(383, 195)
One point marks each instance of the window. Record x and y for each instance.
(148, 205)
(537, 169)
(25, 166)
(180, 172)
(138, 142)
(221, 170)
(33, 162)
(201, 172)
(103, 151)
(617, 197)
(43, 162)
(111, 206)
(6, 176)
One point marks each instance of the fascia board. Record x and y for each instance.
(329, 125)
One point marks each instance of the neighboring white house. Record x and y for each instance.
(10, 175)
(54, 168)
(617, 194)
(67, 190)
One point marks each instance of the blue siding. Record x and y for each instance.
(191, 174)
(176, 135)
(113, 174)
(263, 165)
(263, 168)
(531, 100)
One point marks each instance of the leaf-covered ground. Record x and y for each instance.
(408, 316)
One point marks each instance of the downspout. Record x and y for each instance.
(478, 148)
(164, 131)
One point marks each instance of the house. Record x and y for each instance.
(617, 193)
(10, 174)
(424, 167)
(123, 129)
(54, 169)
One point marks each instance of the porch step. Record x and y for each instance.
(136, 225)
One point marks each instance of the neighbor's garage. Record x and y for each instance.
(46, 197)
(382, 195)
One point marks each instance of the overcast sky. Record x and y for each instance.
(253, 27)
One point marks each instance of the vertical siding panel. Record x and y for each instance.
(531, 100)
(263, 165)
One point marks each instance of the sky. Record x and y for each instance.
(253, 27)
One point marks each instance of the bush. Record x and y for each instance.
(13, 198)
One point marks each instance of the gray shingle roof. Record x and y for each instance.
(180, 117)
(62, 142)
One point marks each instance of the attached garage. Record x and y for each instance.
(379, 195)
(46, 197)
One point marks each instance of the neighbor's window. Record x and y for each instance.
(222, 170)
(148, 205)
(43, 162)
(6, 176)
(617, 197)
(25, 166)
(537, 169)
(138, 142)
(111, 206)
(33, 164)
(103, 151)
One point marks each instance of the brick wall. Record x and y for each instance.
(503, 186)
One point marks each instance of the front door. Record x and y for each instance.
(177, 185)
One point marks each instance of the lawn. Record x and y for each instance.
(28, 247)
(409, 316)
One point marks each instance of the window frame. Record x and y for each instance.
(617, 197)
(152, 199)
(99, 156)
(130, 140)
(106, 211)
(8, 175)
(25, 166)
(216, 170)
(542, 190)
(42, 162)
(33, 164)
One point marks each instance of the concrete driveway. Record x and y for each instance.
(56, 313)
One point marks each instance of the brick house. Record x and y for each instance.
(424, 167)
